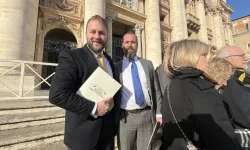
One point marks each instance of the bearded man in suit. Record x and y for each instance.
(88, 125)
(140, 97)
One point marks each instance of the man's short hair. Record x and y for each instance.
(98, 18)
(223, 52)
(130, 32)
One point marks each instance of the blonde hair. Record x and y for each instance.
(219, 69)
(100, 19)
(184, 53)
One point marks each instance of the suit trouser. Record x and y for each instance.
(135, 128)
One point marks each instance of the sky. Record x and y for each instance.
(241, 8)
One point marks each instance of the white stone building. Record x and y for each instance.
(36, 30)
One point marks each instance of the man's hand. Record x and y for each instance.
(159, 119)
(102, 106)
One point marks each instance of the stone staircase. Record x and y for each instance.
(31, 125)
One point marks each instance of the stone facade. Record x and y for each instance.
(157, 23)
(241, 34)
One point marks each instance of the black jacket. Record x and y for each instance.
(200, 112)
(237, 97)
(82, 131)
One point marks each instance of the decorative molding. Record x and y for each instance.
(70, 7)
(165, 40)
(139, 27)
(164, 2)
(110, 17)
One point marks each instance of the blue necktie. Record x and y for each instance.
(139, 96)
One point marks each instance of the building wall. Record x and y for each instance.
(241, 33)
(207, 20)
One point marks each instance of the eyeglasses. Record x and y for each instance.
(241, 55)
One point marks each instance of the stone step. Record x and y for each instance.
(18, 118)
(28, 110)
(31, 123)
(24, 104)
(35, 143)
(31, 136)
(51, 146)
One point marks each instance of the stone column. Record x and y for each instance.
(226, 33)
(91, 8)
(18, 24)
(220, 41)
(153, 32)
(141, 6)
(177, 20)
(138, 29)
(230, 33)
(210, 16)
(109, 45)
(200, 13)
(135, 5)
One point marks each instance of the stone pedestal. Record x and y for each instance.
(18, 24)
(153, 32)
(200, 13)
(91, 8)
(178, 20)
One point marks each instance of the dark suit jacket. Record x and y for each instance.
(162, 77)
(237, 97)
(82, 131)
(154, 89)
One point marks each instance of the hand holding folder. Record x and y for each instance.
(98, 86)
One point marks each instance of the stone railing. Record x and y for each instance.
(24, 71)
(127, 3)
(193, 22)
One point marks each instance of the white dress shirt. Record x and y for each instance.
(128, 101)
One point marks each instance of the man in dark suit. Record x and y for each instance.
(140, 98)
(88, 125)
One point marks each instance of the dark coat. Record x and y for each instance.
(237, 97)
(82, 131)
(200, 112)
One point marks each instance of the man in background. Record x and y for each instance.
(140, 98)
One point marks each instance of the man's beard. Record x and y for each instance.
(96, 50)
(129, 54)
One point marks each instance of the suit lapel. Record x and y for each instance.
(145, 68)
(92, 63)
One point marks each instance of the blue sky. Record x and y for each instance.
(241, 8)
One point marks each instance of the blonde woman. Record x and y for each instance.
(192, 109)
(219, 71)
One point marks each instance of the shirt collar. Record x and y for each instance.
(127, 60)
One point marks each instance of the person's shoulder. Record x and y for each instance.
(149, 63)
(76, 51)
